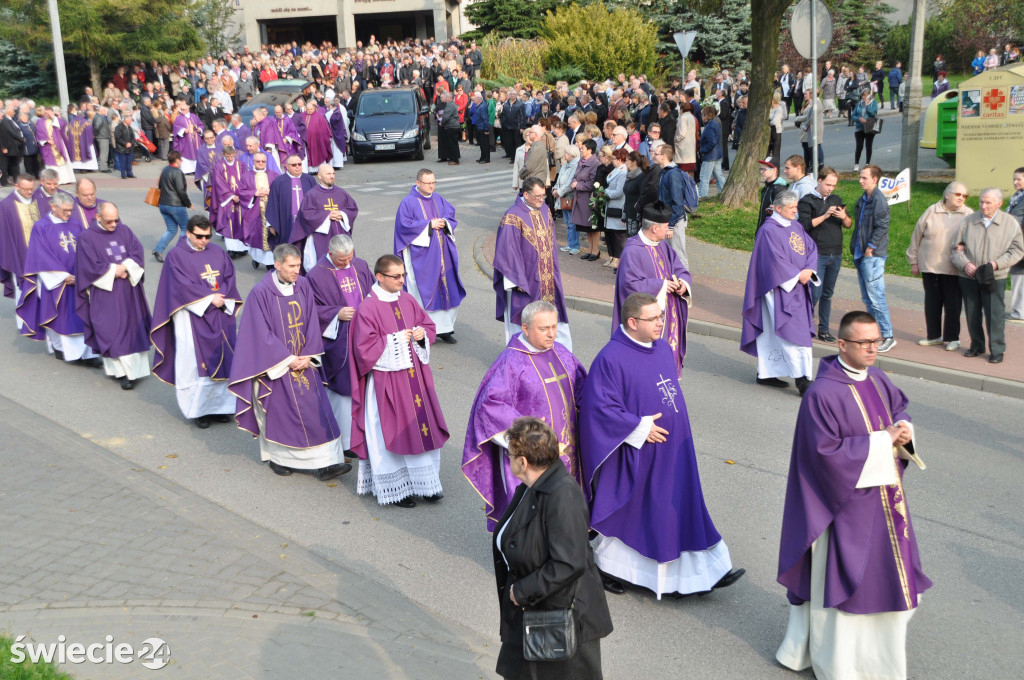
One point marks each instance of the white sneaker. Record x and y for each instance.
(929, 342)
(856, 168)
(953, 346)
(565, 249)
(887, 345)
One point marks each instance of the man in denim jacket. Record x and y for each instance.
(870, 247)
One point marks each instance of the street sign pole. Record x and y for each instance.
(811, 28)
(58, 56)
(814, 90)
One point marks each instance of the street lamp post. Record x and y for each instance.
(58, 56)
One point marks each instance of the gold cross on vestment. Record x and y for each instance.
(348, 286)
(425, 430)
(330, 205)
(419, 402)
(555, 378)
(210, 275)
(66, 240)
(398, 312)
(412, 373)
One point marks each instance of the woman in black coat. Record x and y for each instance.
(637, 167)
(542, 557)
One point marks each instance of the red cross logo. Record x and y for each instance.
(994, 99)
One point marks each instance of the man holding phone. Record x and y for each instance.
(824, 217)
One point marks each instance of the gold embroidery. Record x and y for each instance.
(797, 243)
(541, 236)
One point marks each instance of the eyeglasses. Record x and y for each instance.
(653, 319)
(959, 194)
(294, 164)
(202, 237)
(396, 277)
(864, 344)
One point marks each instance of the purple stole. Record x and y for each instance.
(78, 140)
(670, 332)
(351, 290)
(416, 386)
(297, 194)
(896, 569)
(557, 387)
(227, 181)
(446, 297)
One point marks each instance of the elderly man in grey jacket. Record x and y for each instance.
(989, 243)
(101, 133)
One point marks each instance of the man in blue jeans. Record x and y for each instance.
(870, 246)
(174, 202)
(824, 217)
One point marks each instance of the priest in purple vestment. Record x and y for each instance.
(240, 131)
(47, 306)
(317, 136)
(649, 265)
(526, 262)
(186, 133)
(18, 213)
(252, 147)
(425, 240)
(226, 197)
(848, 555)
(49, 181)
(283, 135)
(638, 461)
(397, 425)
(111, 298)
(206, 157)
(337, 116)
(86, 203)
(79, 142)
(275, 375)
(534, 376)
(52, 146)
(193, 333)
(340, 281)
(255, 193)
(778, 313)
(286, 194)
(326, 210)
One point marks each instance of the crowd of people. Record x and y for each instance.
(327, 360)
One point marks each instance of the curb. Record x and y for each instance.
(911, 369)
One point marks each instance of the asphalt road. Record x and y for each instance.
(965, 506)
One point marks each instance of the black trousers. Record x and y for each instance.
(9, 169)
(863, 142)
(484, 139)
(615, 239)
(979, 302)
(34, 165)
(775, 145)
(448, 144)
(942, 294)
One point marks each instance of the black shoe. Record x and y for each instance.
(127, 384)
(995, 359)
(730, 578)
(350, 455)
(280, 469)
(332, 471)
(826, 337)
(203, 422)
(108, 171)
(612, 585)
(406, 502)
(802, 384)
(221, 418)
(772, 382)
(447, 337)
(58, 355)
(971, 353)
(94, 362)
(158, 256)
(433, 498)
(442, 160)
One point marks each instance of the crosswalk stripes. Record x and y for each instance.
(460, 185)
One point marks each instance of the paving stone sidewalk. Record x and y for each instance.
(92, 546)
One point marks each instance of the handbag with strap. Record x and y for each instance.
(614, 213)
(153, 197)
(872, 125)
(550, 634)
(565, 203)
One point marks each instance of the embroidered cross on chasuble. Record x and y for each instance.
(539, 234)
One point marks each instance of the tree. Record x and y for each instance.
(106, 32)
(507, 18)
(598, 40)
(723, 33)
(214, 20)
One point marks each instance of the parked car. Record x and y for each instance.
(277, 92)
(390, 122)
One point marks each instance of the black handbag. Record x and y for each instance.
(872, 125)
(614, 213)
(550, 634)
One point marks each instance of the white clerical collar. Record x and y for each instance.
(856, 375)
(48, 195)
(283, 287)
(626, 333)
(529, 348)
(383, 295)
(782, 220)
(21, 198)
(423, 194)
(192, 246)
(646, 241)
(523, 199)
(322, 186)
(56, 220)
(294, 177)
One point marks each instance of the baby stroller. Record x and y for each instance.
(143, 147)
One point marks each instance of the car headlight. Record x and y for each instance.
(410, 134)
(358, 137)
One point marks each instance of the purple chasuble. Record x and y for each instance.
(318, 138)
(227, 183)
(283, 203)
(644, 269)
(79, 139)
(43, 202)
(526, 253)
(187, 135)
(53, 248)
(333, 289)
(116, 322)
(51, 143)
(274, 327)
(316, 204)
(649, 498)
(288, 140)
(546, 385)
(241, 134)
(254, 209)
(873, 562)
(298, 120)
(780, 253)
(86, 216)
(410, 413)
(16, 221)
(436, 266)
(338, 129)
(188, 276)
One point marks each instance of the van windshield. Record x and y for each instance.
(387, 104)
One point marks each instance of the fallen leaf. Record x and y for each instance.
(162, 467)
(332, 485)
(171, 455)
(730, 462)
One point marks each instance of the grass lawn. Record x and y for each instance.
(26, 670)
(735, 228)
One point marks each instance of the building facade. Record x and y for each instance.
(346, 22)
